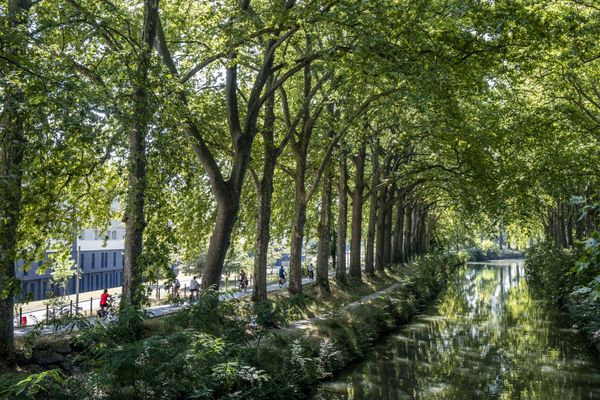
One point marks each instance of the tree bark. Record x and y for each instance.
(219, 243)
(324, 229)
(12, 150)
(408, 232)
(342, 222)
(380, 234)
(413, 229)
(387, 236)
(370, 248)
(357, 210)
(297, 239)
(397, 241)
(136, 164)
(264, 198)
(227, 192)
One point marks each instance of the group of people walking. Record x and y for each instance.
(243, 281)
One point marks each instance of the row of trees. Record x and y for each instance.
(218, 122)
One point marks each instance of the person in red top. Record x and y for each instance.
(104, 299)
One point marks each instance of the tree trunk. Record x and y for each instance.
(219, 243)
(12, 149)
(357, 209)
(263, 233)
(413, 229)
(264, 198)
(407, 232)
(322, 280)
(342, 223)
(370, 250)
(387, 236)
(136, 164)
(295, 281)
(397, 241)
(380, 235)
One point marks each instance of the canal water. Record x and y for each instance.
(486, 337)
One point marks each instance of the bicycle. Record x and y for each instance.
(107, 312)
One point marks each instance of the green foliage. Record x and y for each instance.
(549, 269)
(588, 264)
(34, 386)
(187, 364)
(209, 352)
(558, 275)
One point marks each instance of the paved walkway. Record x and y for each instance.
(307, 323)
(153, 311)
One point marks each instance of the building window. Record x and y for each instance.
(93, 260)
(82, 260)
(114, 235)
(96, 234)
(115, 259)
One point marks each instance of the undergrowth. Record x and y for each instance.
(210, 351)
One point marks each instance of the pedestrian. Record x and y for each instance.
(281, 276)
(193, 288)
(311, 272)
(176, 286)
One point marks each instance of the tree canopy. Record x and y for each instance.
(256, 126)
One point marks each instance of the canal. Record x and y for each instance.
(486, 337)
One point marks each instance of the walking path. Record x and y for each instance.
(153, 312)
(307, 323)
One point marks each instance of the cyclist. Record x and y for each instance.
(104, 305)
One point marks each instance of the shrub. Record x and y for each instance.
(549, 269)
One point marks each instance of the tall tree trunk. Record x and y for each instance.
(370, 248)
(413, 229)
(228, 191)
(423, 232)
(398, 242)
(387, 236)
(342, 223)
(136, 165)
(295, 275)
(407, 231)
(264, 198)
(322, 280)
(380, 235)
(219, 243)
(263, 236)
(357, 210)
(12, 150)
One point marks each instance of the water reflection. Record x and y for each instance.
(486, 338)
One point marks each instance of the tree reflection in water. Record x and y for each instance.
(485, 338)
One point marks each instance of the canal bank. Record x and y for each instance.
(216, 351)
(486, 337)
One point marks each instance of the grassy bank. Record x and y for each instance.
(558, 276)
(206, 354)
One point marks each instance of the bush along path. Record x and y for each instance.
(212, 352)
(568, 278)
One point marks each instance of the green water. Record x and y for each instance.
(485, 338)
